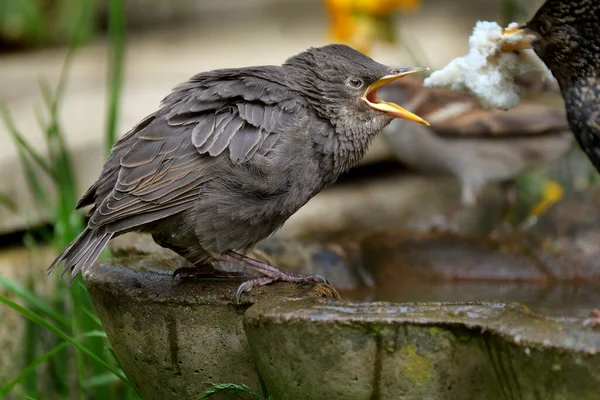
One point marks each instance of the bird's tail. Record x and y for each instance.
(82, 252)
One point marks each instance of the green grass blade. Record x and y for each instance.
(132, 394)
(31, 336)
(52, 328)
(66, 225)
(78, 32)
(34, 302)
(46, 92)
(114, 355)
(92, 316)
(30, 158)
(116, 60)
(100, 380)
(8, 203)
(229, 388)
(263, 386)
(95, 334)
(22, 142)
(78, 299)
(42, 359)
(71, 10)
(36, 187)
(32, 367)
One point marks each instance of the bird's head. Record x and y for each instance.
(566, 36)
(342, 84)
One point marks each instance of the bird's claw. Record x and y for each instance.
(248, 285)
(178, 273)
(189, 272)
(281, 277)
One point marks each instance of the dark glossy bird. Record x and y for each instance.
(566, 36)
(231, 154)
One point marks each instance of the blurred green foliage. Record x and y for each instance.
(65, 352)
(514, 11)
(35, 23)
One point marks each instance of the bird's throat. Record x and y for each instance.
(351, 142)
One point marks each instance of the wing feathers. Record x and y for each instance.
(168, 157)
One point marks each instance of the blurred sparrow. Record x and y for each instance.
(475, 145)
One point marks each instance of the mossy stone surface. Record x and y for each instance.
(312, 349)
(173, 338)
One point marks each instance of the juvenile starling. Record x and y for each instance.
(566, 36)
(231, 154)
(475, 145)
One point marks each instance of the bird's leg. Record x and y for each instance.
(445, 221)
(203, 270)
(198, 266)
(594, 319)
(510, 193)
(271, 273)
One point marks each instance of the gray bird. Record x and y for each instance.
(475, 145)
(231, 154)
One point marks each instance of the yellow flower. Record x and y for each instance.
(384, 7)
(376, 7)
(551, 193)
(360, 22)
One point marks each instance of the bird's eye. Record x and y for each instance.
(544, 26)
(355, 83)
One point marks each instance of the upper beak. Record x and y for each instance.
(370, 96)
(528, 38)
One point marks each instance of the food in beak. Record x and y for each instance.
(489, 69)
(370, 97)
(520, 38)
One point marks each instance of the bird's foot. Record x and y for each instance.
(593, 320)
(271, 274)
(281, 276)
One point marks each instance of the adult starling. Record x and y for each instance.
(567, 39)
(475, 145)
(231, 154)
(566, 36)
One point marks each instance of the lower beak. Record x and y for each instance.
(370, 97)
(526, 38)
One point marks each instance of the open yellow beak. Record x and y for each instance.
(370, 96)
(528, 37)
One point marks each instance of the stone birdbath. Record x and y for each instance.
(441, 322)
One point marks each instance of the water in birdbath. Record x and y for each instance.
(552, 274)
(556, 300)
